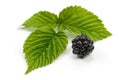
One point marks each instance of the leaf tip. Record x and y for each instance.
(110, 34)
(27, 71)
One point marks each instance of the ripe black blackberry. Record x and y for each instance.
(82, 46)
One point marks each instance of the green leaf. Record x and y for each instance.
(42, 19)
(43, 47)
(80, 21)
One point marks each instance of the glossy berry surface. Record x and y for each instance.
(82, 46)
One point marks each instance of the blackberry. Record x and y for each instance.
(82, 46)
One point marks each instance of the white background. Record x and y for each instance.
(102, 64)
